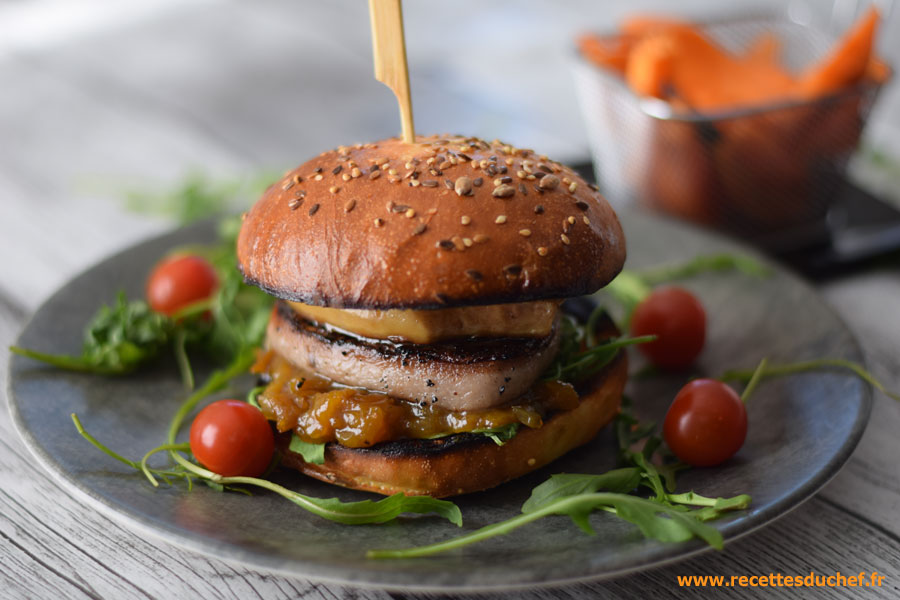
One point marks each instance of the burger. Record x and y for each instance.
(418, 318)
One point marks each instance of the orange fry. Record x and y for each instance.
(847, 63)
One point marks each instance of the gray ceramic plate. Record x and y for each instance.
(802, 429)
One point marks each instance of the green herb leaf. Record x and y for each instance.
(311, 453)
(574, 364)
(500, 435)
(118, 339)
(253, 394)
(655, 520)
(765, 372)
(563, 485)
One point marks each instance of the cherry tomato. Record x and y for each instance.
(706, 423)
(232, 438)
(179, 281)
(678, 320)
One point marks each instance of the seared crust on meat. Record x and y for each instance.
(465, 463)
(462, 375)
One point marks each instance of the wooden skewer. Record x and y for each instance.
(389, 52)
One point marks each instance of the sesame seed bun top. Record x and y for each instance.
(447, 221)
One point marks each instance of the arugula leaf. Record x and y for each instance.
(118, 339)
(580, 355)
(199, 196)
(562, 485)
(311, 453)
(655, 520)
(500, 435)
(252, 396)
(350, 513)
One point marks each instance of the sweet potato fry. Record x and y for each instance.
(847, 63)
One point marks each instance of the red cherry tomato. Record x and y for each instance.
(678, 320)
(179, 281)
(706, 423)
(232, 438)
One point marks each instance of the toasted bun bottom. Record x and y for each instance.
(465, 463)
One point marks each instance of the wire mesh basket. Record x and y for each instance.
(765, 173)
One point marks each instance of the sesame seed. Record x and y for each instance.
(420, 229)
(350, 205)
(480, 238)
(542, 251)
(295, 203)
(586, 220)
(410, 213)
(431, 211)
(549, 182)
(314, 209)
(414, 183)
(483, 164)
(334, 189)
(465, 219)
(463, 186)
(458, 243)
(572, 187)
(355, 172)
(393, 179)
(500, 220)
(477, 181)
(297, 178)
(521, 174)
(571, 220)
(345, 177)
(318, 177)
(375, 174)
(337, 169)
(502, 180)
(582, 204)
(467, 242)
(503, 191)
(525, 232)
(565, 239)
(392, 171)
(539, 209)
(436, 172)
(474, 275)
(379, 222)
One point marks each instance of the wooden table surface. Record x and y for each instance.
(142, 95)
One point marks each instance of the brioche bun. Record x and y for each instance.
(398, 225)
